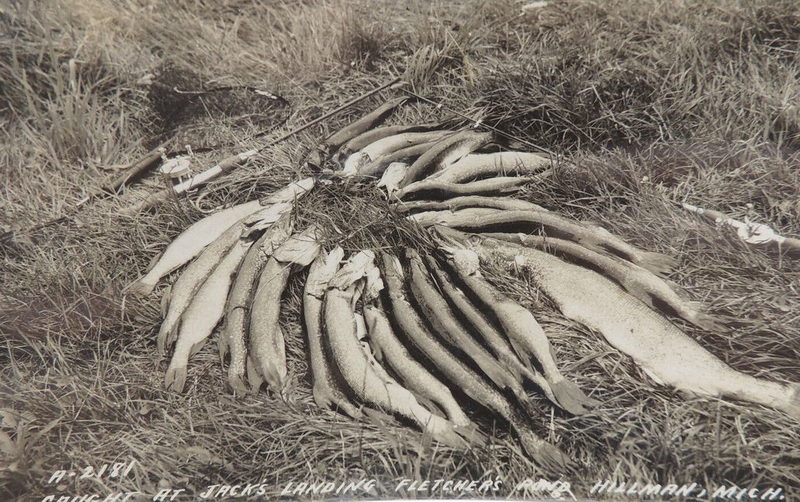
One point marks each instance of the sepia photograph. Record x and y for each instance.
(380, 250)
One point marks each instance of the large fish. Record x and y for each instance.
(378, 133)
(639, 282)
(201, 233)
(524, 333)
(187, 284)
(364, 380)
(325, 390)
(466, 201)
(444, 190)
(476, 165)
(266, 359)
(555, 225)
(460, 375)
(496, 341)
(202, 315)
(190, 242)
(444, 322)
(378, 166)
(232, 337)
(662, 350)
(356, 162)
(445, 152)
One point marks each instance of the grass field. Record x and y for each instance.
(648, 104)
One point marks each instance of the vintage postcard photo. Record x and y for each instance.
(379, 250)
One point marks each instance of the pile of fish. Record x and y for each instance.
(425, 335)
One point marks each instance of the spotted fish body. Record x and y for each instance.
(639, 282)
(325, 390)
(185, 287)
(190, 242)
(662, 350)
(202, 315)
(232, 338)
(364, 380)
(469, 382)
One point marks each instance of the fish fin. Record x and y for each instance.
(141, 287)
(570, 397)
(165, 299)
(161, 339)
(223, 345)
(175, 378)
(196, 348)
(709, 322)
(548, 456)
(378, 417)
(444, 432)
(171, 336)
(237, 383)
(658, 263)
(652, 375)
(253, 376)
(429, 405)
(472, 434)
(523, 355)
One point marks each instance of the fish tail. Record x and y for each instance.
(708, 322)
(236, 382)
(657, 263)
(196, 348)
(253, 376)
(142, 287)
(223, 345)
(175, 378)
(161, 340)
(443, 431)
(570, 397)
(548, 456)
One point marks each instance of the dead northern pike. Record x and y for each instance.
(187, 284)
(190, 242)
(476, 165)
(326, 391)
(362, 378)
(524, 333)
(388, 348)
(443, 321)
(507, 203)
(201, 233)
(654, 291)
(365, 123)
(356, 162)
(266, 360)
(460, 375)
(493, 338)
(377, 133)
(500, 184)
(202, 315)
(232, 338)
(430, 218)
(445, 152)
(555, 225)
(378, 166)
(662, 350)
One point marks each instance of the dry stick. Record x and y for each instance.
(230, 163)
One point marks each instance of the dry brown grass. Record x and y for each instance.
(653, 103)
